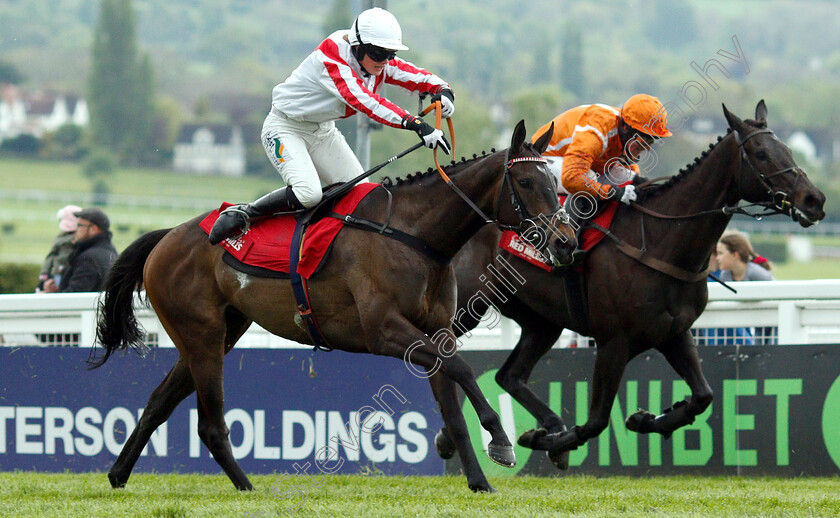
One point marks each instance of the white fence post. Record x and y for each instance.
(791, 330)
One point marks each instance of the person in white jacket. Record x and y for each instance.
(341, 77)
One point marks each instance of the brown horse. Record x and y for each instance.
(375, 295)
(631, 306)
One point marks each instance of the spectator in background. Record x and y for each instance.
(721, 335)
(56, 260)
(739, 262)
(92, 255)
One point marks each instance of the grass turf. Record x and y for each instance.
(85, 495)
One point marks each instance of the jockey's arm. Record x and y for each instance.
(577, 162)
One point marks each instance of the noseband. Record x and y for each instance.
(780, 198)
(525, 218)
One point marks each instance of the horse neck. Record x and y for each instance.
(433, 211)
(708, 185)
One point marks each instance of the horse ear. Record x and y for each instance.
(761, 112)
(542, 143)
(518, 137)
(734, 122)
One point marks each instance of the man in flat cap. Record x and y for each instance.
(92, 256)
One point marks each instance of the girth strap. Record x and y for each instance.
(300, 291)
(651, 262)
(416, 243)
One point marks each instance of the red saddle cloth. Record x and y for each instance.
(512, 243)
(267, 243)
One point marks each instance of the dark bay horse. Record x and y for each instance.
(631, 306)
(375, 295)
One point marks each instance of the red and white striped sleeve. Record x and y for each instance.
(340, 79)
(413, 78)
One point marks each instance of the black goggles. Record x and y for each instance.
(379, 54)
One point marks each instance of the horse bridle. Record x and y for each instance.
(525, 217)
(779, 203)
(779, 198)
(516, 202)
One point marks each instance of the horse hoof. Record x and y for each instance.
(502, 455)
(560, 459)
(444, 445)
(243, 485)
(640, 422)
(482, 488)
(527, 439)
(116, 482)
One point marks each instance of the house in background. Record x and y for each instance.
(38, 113)
(217, 149)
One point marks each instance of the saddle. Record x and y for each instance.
(264, 250)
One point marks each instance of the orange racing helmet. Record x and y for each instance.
(646, 114)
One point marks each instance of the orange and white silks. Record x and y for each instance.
(586, 137)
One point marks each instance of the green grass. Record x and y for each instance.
(815, 269)
(86, 495)
(67, 177)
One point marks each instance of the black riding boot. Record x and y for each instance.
(234, 220)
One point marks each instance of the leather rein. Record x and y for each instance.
(525, 218)
(779, 205)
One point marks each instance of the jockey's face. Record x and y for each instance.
(372, 67)
(633, 142)
(375, 59)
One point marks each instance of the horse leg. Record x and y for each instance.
(207, 372)
(463, 322)
(444, 390)
(610, 362)
(500, 449)
(681, 353)
(537, 338)
(393, 331)
(176, 386)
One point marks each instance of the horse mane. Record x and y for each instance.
(685, 171)
(412, 179)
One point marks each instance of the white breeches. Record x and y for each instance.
(306, 153)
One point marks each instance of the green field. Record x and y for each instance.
(89, 495)
(142, 199)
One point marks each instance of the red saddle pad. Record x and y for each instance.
(593, 236)
(267, 242)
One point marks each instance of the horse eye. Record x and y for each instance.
(761, 155)
(525, 183)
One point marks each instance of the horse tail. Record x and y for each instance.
(117, 326)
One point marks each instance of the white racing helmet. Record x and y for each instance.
(377, 27)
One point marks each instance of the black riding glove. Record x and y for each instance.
(431, 137)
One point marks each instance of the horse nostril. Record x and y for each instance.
(811, 201)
